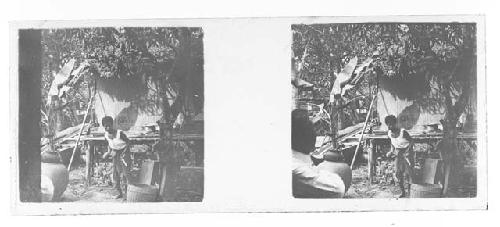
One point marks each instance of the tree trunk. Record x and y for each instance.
(453, 159)
(334, 119)
(340, 112)
(30, 71)
(166, 112)
(300, 65)
(187, 77)
(74, 115)
(295, 90)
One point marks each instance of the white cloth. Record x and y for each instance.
(115, 142)
(308, 180)
(59, 79)
(342, 78)
(399, 142)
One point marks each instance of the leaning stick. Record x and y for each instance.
(362, 132)
(81, 130)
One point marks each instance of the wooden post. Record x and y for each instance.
(370, 160)
(89, 162)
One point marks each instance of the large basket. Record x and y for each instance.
(141, 193)
(425, 191)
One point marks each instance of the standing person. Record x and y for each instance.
(402, 148)
(118, 148)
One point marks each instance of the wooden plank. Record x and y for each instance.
(416, 135)
(142, 139)
(62, 135)
(349, 131)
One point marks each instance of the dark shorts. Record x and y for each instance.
(121, 167)
(405, 161)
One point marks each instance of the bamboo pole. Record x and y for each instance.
(363, 131)
(81, 130)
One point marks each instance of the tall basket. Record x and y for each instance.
(141, 193)
(425, 191)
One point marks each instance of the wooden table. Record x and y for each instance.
(95, 140)
(374, 141)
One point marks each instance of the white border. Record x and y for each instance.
(253, 56)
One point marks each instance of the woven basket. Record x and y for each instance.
(141, 193)
(425, 191)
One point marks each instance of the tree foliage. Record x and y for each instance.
(157, 53)
(442, 55)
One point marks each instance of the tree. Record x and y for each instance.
(443, 55)
(167, 55)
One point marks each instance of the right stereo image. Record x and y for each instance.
(384, 110)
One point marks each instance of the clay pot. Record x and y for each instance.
(50, 157)
(54, 180)
(333, 156)
(340, 168)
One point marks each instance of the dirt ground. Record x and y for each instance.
(101, 189)
(361, 188)
(77, 191)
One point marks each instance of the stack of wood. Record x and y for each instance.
(346, 137)
(60, 145)
(59, 138)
